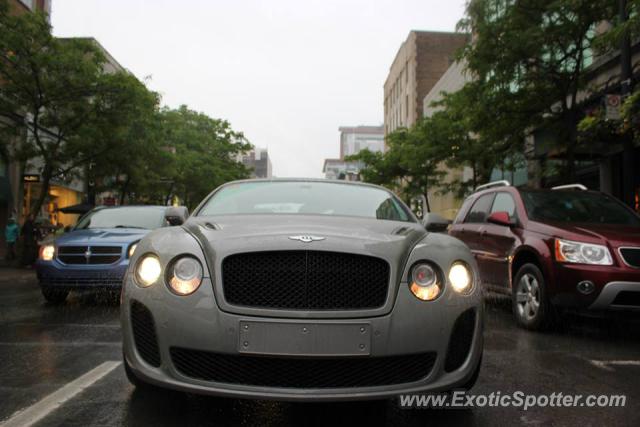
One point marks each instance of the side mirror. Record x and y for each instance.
(67, 228)
(501, 218)
(434, 222)
(176, 215)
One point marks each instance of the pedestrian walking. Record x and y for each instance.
(11, 233)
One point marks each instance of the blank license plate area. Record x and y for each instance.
(305, 339)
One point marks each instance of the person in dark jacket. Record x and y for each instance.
(30, 241)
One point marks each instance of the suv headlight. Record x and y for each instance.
(184, 275)
(582, 253)
(47, 252)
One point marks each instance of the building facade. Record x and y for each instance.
(420, 62)
(257, 159)
(353, 139)
(11, 177)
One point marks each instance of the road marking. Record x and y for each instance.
(607, 364)
(34, 413)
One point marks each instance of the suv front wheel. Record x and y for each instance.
(531, 305)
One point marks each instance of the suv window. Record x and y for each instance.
(480, 209)
(463, 209)
(504, 203)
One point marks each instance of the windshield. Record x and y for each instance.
(123, 217)
(577, 206)
(315, 198)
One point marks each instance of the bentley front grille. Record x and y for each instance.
(305, 280)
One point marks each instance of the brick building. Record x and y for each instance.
(420, 62)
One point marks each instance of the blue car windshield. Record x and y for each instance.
(123, 217)
(303, 197)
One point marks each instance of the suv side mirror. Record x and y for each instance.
(434, 222)
(501, 218)
(176, 215)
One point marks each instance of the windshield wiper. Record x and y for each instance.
(130, 226)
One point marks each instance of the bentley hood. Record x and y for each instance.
(223, 235)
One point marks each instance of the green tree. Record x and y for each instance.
(56, 93)
(410, 165)
(206, 151)
(530, 57)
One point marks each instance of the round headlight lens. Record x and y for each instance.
(460, 277)
(148, 271)
(185, 276)
(47, 252)
(425, 283)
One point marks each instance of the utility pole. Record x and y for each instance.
(626, 76)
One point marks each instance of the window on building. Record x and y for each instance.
(29, 3)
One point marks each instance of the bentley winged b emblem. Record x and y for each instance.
(307, 239)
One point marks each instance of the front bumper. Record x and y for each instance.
(53, 274)
(608, 282)
(196, 323)
(618, 296)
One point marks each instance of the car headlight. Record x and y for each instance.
(148, 270)
(582, 253)
(460, 277)
(132, 249)
(425, 281)
(185, 275)
(47, 252)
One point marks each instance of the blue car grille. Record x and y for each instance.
(89, 254)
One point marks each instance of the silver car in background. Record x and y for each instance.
(302, 290)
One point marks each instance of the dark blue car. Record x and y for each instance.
(95, 254)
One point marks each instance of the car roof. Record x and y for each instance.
(102, 207)
(319, 180)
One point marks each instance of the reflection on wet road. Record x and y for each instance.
(44, 348)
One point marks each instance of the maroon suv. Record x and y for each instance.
(564, 247)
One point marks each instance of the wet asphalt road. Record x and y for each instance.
(44, 347)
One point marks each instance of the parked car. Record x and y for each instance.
(565, 247)
(95, 254)
(302, 290)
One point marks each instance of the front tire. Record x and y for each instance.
(531, 305)
(54, 296)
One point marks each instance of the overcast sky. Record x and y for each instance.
(287, 73)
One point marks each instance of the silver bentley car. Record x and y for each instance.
(302, 290)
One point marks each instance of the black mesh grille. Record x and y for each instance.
(460, 341)
(144, 333)
(302, 372)
(70, 250)
(305, 280)
(98, 254)
(631, 256)
(630, 298)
